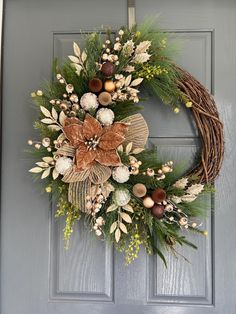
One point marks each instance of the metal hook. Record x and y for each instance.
(131, 13)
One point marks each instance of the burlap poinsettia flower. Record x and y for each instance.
(94, 143)
(87, 169)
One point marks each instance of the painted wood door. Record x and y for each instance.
(38, 275)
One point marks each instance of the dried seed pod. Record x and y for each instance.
(73, 113)
(98, 233)
(183, 221)
(74, 98)
(75, 107)
(46, 142)
(150, 172)
(166, 169)
(168, 207)
(63, 106)
(69, 88)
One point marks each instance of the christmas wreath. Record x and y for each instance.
(92, 153)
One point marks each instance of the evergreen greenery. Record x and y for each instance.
(160, 76)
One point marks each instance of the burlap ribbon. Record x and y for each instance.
(80, 182)
(138, 131)
(97, 174)
(78, 192)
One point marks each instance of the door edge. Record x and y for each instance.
(2, 8)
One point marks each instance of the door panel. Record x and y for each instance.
(192, 45)
(74, 273)
(185, 282)
(38, 274)
(87, 283)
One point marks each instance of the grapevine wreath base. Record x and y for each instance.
(92, 153)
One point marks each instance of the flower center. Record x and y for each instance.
(92, 143)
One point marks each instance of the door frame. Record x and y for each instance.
(2, 6)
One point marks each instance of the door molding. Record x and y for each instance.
(2, 6)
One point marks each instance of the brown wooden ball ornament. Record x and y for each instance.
(95, 85)
(109, 86)
(158, 195)
(158, 211)
(104, 98)
(108, 69)
(148, 202)
(139, 190)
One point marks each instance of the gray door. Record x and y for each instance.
(37, 275)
